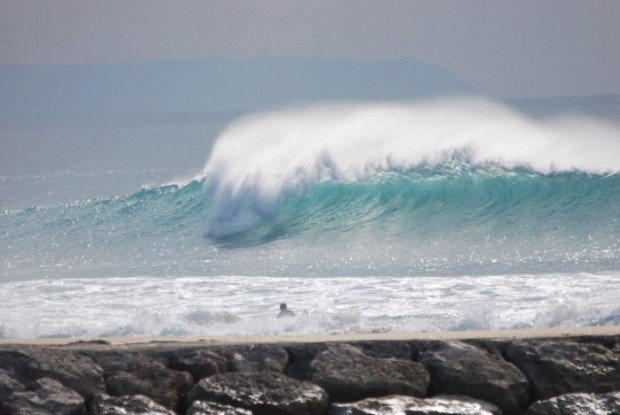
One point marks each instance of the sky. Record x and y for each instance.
(502, 48)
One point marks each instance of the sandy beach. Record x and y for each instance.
(530, 333)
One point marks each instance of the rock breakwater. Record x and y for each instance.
(572, 375)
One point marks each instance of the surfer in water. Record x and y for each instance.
(285, 312)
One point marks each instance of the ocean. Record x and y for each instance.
(446, 214)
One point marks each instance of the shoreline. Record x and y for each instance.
(500, 334)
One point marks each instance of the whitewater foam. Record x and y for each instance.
(261, 159)
(233, 305)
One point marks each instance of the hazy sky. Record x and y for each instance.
(503, 48)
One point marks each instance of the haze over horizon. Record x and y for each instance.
(502, 49)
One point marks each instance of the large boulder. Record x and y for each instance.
(8, 385)
(214, 408)
(555, 368)
(127, 405)
(262, 393)
(347, 374)
(49, 397)
(75, 371)
(201, 363)
(578, 404)
(151, 379)
(258, 358)
(399, 405)
(461, 369)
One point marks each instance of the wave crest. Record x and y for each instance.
(261, 159)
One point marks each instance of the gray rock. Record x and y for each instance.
(214, 408)
(262, 393)
(401, 405)
(461, 369)
(258, 358)
(151, 379)
(200, 363)
(300, 356)
(112, 361)
(347, 374)
(127, 405)
(578, 404)
(49, 397)
(72, 369)
(386, 348)
(8, 385)
(558, 367)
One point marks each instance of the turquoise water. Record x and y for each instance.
(349, 198)
(407, 223)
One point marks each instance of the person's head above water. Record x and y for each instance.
(285, 312)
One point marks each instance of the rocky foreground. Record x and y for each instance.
(579, 375)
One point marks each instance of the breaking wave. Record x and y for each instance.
(261, 160)
(459, 186)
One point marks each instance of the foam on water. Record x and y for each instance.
(149, 306)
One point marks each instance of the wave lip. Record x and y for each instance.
(262, 159)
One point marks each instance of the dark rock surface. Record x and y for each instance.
(300, 356)
(8, 385)
(559, 367)
(199, 362)
(258, 358)
(151, 379)
(214, 408)
(386, 349)
(459, 368)
(75, 371)
(240, 379)
(399, 405)
(262, 393)
(578, 404)
(49, 397)
(127, 405)
(112, 361)
(347, 374)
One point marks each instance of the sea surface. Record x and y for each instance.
(448, 214)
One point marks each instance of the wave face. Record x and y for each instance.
(455, 187)
(260, 161)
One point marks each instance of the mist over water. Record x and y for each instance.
(406, 195)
